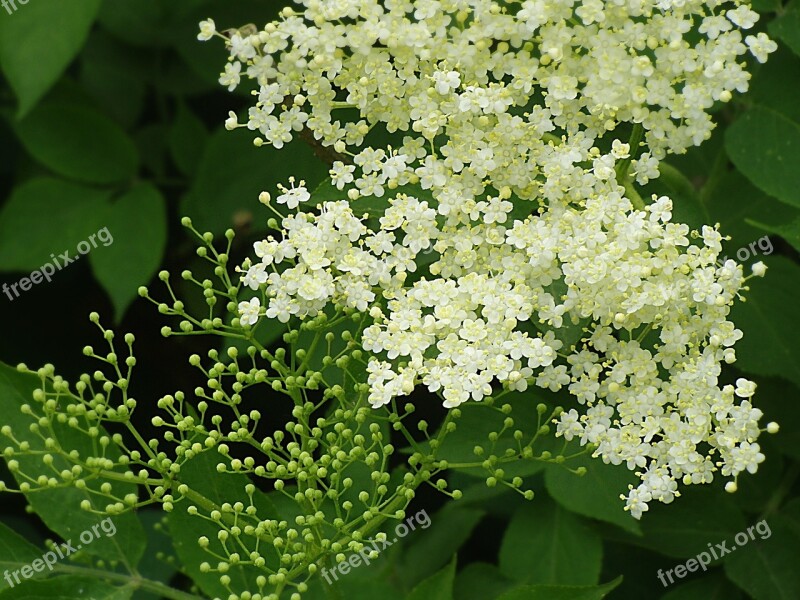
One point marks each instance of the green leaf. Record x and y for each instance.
(151, 142)
(766, 567)
(561, 592)
(776, 84)
(790, 231)
(765, 6)
(68, 587)
(433, 547)
(546, 544)
(367, 590)
(59, 507)
(438, 586)
(79, 143)
(479, 419)
(595, 494)
(143, 23)
(685, 527)
(28, 241)
(15, 552)
(232, 174)
(771, 344)
(187, 138)
(734, 201)
(186, 529)
(134, 243)
(711, 587)
(764, 145)
(114, 75)
(38, 42)
(787, 27)
(481, 581)
(152, 566)
(771, 397)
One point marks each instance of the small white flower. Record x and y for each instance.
(760, 46)
(232, 75)
(207, 30)
(745, 388)
(250, 311)
(341, 174)
(293, 197)
(759, 269)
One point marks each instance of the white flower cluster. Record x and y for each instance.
(472, 69)
(507, 118)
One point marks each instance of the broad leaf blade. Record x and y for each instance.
(137, 227)
(39, 41)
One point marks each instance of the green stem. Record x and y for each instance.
(633, 195)
(636, 138)
(717, 171)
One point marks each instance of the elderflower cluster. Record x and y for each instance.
(506, 178)
(472, 70)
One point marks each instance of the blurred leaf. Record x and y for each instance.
(438, 586)
(787, 27)
(114, 76)
(15, 552)
(764, 145)
(79, 143)
(638, 565)
(773, 397)
(232, 173)
(790, 231)
(173, 76)
(765, 6)
(141, 23)
(481, 581)
(561, 592)
(39, 41)
(68, 587)
(45, 217)
(546, 544)
(771, 343)
(685, 527)
(151, 140)
(767, 568)
(187, 139)
(367, 590)
(776, 84)
(137, 227)
(595, 494)
(59, 507)
(711, 587)
(433, 547)
(734, 201)
(152, 567)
